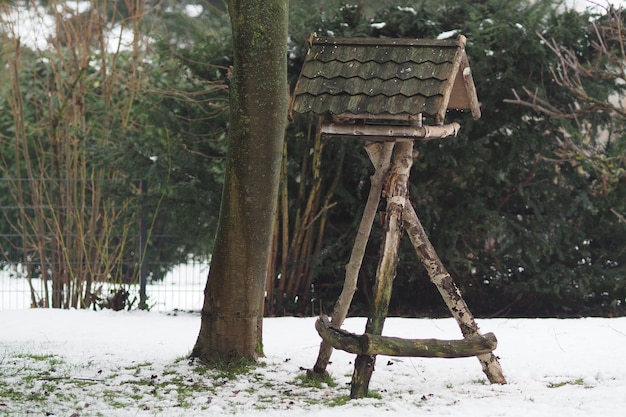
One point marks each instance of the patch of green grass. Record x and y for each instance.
(83, 383)
(375, 395)
(41, 381)
(36, 396)
(11, 393)
(578, 381)
(186, 392)
(137, 384)
(138, 396)
(315, 381)
(183, 358)
(226, 369)
(49, 386)
(144, 384)
(137, 368)
(114, 399)
(35, 357)
(51, 360)
(338, 401)
(30, 377)
(267, 399)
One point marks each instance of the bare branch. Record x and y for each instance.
(571, 74)
(619, 215)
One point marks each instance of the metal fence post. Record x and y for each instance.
(143, 245)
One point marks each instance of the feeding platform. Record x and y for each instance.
(390, 93)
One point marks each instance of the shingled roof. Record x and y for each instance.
(369, 78)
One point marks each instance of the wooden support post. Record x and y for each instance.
(400, 213)
(449, 292)
(451, 295)
(396, 193)
(380, 155)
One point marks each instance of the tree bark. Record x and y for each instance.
(369, 344)
(396, 193)
(382, 154)
(231, 320)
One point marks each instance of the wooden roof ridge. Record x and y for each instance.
(460, 41)
(387, 77)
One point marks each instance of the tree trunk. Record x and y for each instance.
(340, 311)
(396, 193)
(233, 304)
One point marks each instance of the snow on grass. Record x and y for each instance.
(85, 363)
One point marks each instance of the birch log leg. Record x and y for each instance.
(448, 290)
(380, 155)
(396, 188)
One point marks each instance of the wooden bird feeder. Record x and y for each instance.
(383, 89)
(391, 92)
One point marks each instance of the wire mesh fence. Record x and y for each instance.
(85, 243)
(182, 288)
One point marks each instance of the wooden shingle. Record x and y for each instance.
(382, 78)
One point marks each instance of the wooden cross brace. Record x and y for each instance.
(371, 344)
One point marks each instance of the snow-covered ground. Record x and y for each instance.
(85, 363)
